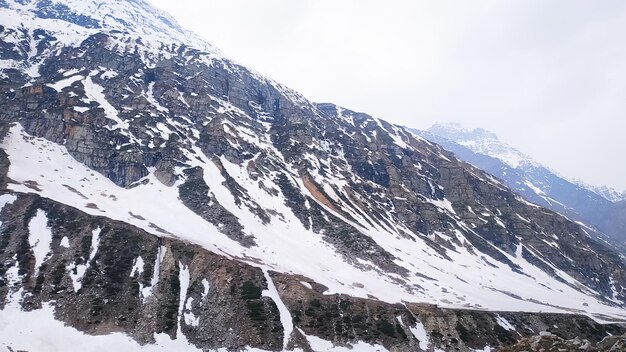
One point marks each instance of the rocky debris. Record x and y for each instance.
(548, 342)
(346, 320)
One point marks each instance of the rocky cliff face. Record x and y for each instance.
(158, 190)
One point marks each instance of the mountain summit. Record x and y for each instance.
(484, 142)
(158, 196)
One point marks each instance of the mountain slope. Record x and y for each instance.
(533, 181)
(161, 143)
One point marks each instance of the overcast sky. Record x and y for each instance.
(549, 77)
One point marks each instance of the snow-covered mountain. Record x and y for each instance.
(609, 193)
(595, 206)
(158, 196)
(483, 142)
(487, 143)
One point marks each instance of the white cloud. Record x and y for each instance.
(548, 77)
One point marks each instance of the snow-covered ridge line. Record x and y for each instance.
(610, 194)
(483, 142)
(133, 16)
(136, 27)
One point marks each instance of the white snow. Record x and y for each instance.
(534, 188)
(499, 150)
(37, 330)
(504, 323)
(77, 273)
(320, 345)
(137, 268)
(152, 100)
(156, 271)
(205, 285)
(285, 316)
(95, 92)
(39, 238)
(108, 74)
(76, 277)
(65, 242)
(6, 199)
(183, 279)
(189, 316)
(443, 204)
(607, 193)
(420, 334)
(64, 83)
(95, 243)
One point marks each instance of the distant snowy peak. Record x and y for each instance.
(487, 143)
(606, 192)
(136, 17)
(458, 132)
(483, 142)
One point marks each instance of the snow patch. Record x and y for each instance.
(6, 199)
(285, 316)
(39, 238)
(64, 83)
(156, 271)
(420, 334)
(37, 330)
(205, 285)
(320, 345)
(183, 279)
(95, 93)
(65, 242)
(77, 273)
(504, 323)
(190, 318)
(137, 268)
(95, 243)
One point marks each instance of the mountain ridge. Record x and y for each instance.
(184, 150)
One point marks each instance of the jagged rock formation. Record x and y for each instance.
(158, 190)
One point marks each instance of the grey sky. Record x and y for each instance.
(549, 77)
